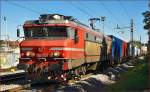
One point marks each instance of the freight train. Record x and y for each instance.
(60, 47)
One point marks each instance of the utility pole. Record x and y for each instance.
(7, 35)
(131, 27)
(140, 45)
(146, 26)
(132, 37)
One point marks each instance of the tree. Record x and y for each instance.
(146, 20)
(147, 27)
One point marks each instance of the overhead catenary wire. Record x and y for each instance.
(124, 9)
(29, 9)
(37, 12)
(86, 12)
(10, 20)
(75, 6)
(80, 9)
(109, 11)
(24, 7)
(91, 10)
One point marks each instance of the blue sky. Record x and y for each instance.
(116, 11)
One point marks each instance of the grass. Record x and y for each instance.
(136, 80)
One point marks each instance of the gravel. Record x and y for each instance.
(93, 83)
(4, 87)
(128, 66)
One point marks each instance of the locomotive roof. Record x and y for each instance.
(49, 19)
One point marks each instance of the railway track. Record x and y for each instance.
(13, 81)
(8, 77)
(18, 83)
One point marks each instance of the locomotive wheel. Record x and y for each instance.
(44, 72)
(77, 74)
(30, 69)
(39, 73)
(83, 69)
(64, 79)
(30, 73)
(36, 73)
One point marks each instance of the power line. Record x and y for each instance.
(10, 20)
(85, 12)
(123, 7)
(80, 9)
(24, 7)
(94, 12)
(27, 8)
(109, 11)
(91, 10)
(91, 15)
(75, 6)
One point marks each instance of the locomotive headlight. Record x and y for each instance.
(55, 54)
(30, 54)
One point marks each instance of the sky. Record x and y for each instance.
(116, 12)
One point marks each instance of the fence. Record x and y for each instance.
(8, 59)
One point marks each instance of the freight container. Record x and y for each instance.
(118, 50)
(124, 49)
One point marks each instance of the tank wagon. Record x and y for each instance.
(60, 47)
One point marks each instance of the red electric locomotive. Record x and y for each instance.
(57, 46)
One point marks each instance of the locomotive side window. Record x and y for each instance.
(71, 32)
(76, 37)
(87, 35)
(95, 38)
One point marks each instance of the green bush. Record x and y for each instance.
(135, 80)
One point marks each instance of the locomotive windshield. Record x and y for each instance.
(45, 32)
